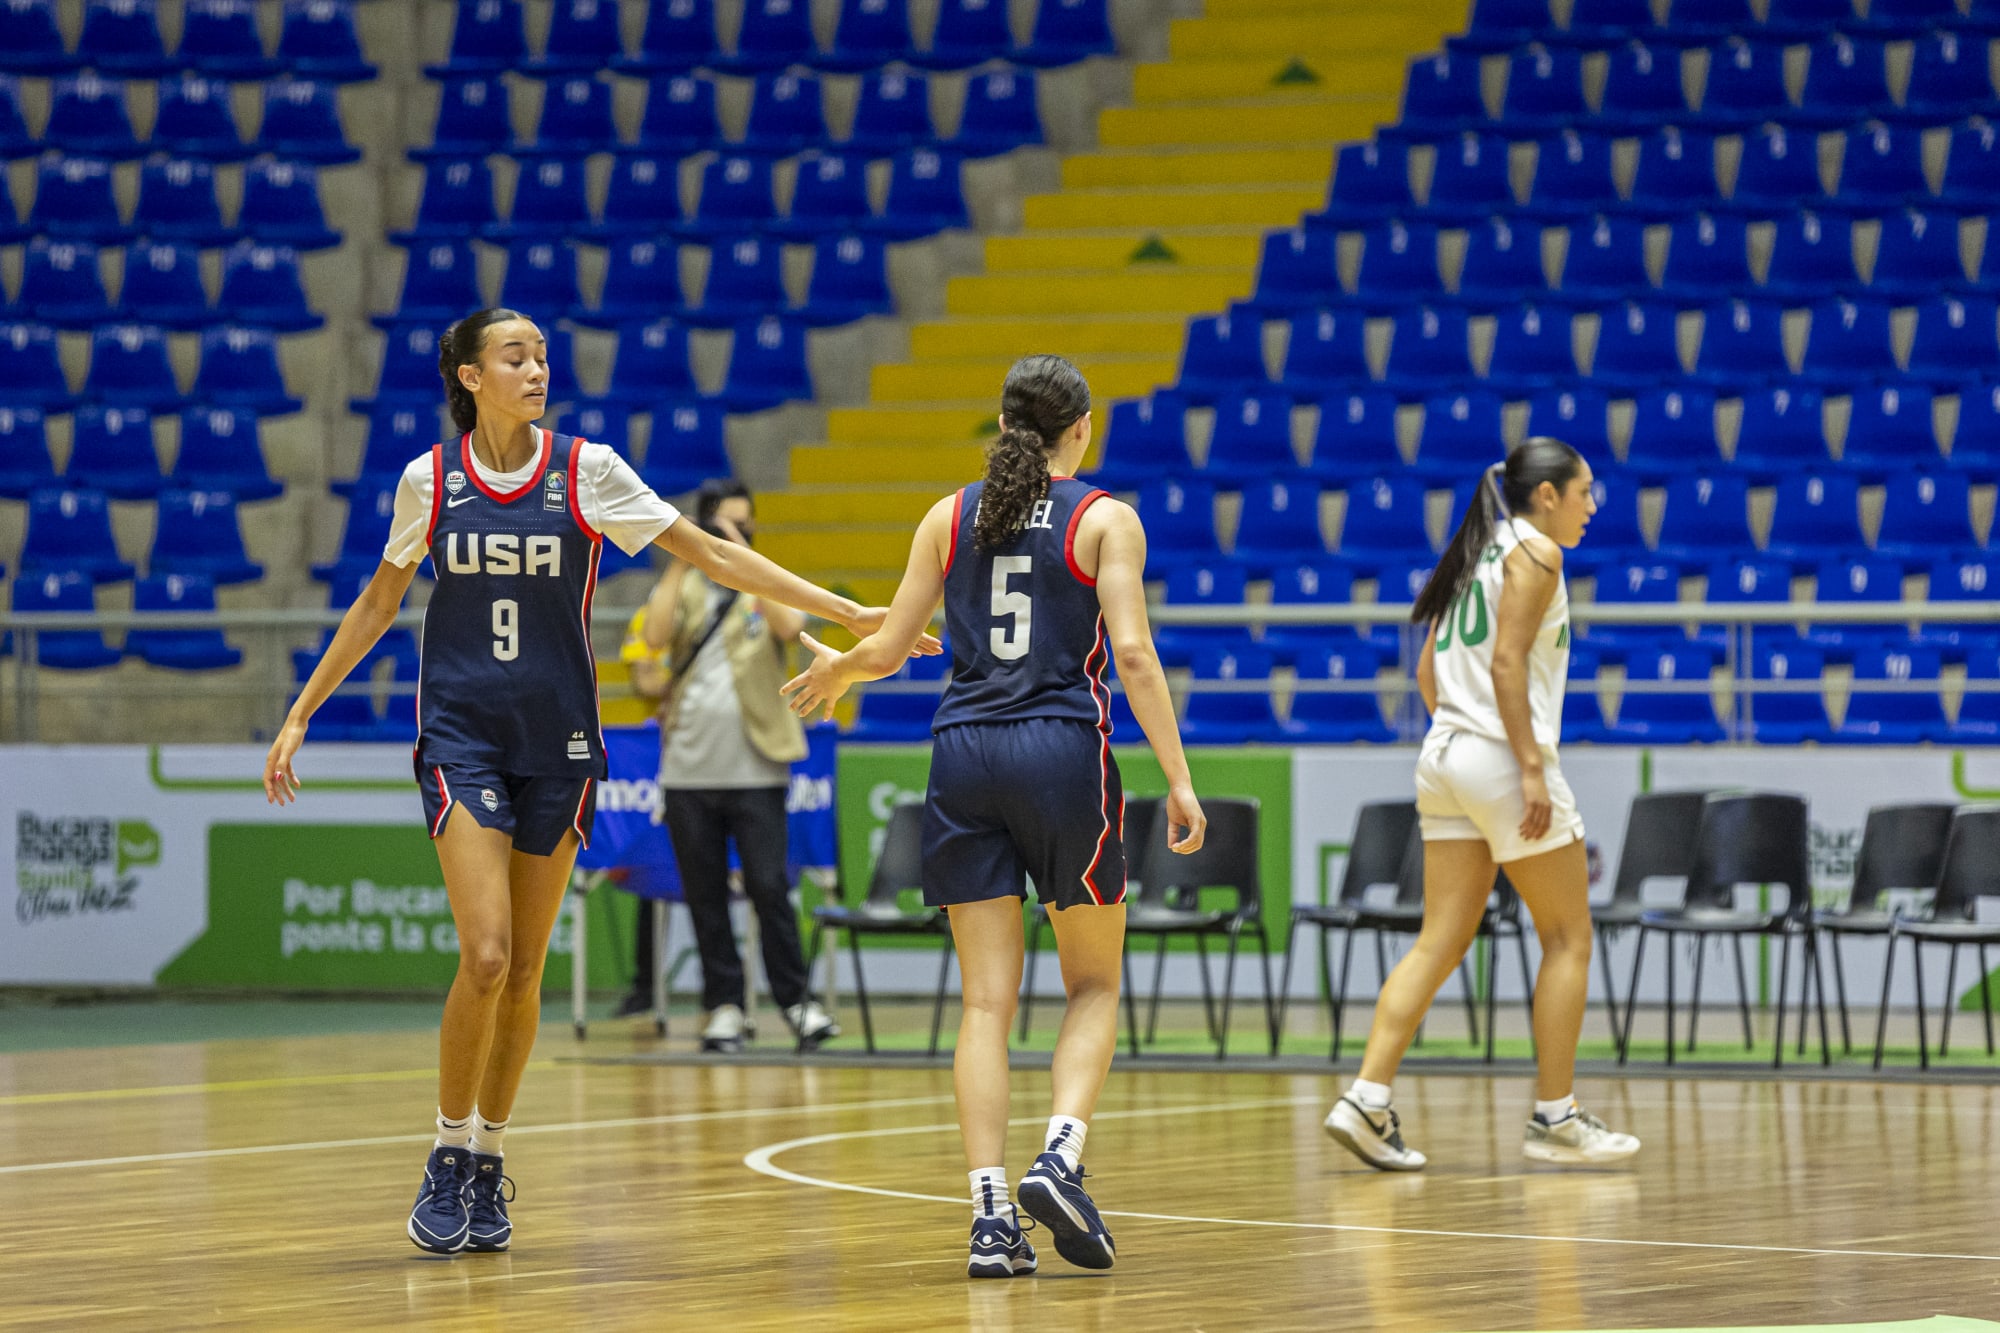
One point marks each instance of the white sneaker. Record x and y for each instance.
(1578, 1139)
(725, 1030)
(812, 1023)
(1376, 1137)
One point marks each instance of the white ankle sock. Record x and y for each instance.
(1557, 1111)
(1373, 1096)
(1066, 1137)
(486, 1134)
(989, 1191)
(453, 1133)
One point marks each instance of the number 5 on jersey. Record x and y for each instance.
(1010, 642)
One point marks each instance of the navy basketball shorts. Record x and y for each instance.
(534, 811)
(1009, 801)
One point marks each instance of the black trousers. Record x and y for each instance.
(702, 824)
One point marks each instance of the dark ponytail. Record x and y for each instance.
(1043, 397)
(1504, 489)
(460, 346)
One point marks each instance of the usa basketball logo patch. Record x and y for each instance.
(555, 494)
(488, 799)
(454, 482)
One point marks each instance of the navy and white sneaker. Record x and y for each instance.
(441, 1221)
(1053, 1195)
(999, 1249)
(487, 1198)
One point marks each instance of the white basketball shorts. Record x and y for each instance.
(1469, 787)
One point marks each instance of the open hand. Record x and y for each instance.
(820, 685)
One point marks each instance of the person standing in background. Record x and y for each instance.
(727, 743)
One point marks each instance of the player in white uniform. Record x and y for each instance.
(1490, 792)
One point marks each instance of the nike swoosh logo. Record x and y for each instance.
(453, 504)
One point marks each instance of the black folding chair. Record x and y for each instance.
(1165, 906)
(1139, 812)
(1971, 871)
(1659, 844)
(899, 868)
(1758, 838)
(1902, 847)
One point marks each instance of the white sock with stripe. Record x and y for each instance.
(487, 1134)
(989, 1191)
(1066, 1139)
(1557, 1111)
(453, 1133)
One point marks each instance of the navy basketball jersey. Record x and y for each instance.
(508, 678)
(1027, 638)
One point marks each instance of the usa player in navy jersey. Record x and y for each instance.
(1033, 567)
(508, 752)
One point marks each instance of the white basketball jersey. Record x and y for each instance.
(1464, 652)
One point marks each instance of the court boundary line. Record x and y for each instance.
(760, 1160)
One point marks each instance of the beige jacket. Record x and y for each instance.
(756, 661)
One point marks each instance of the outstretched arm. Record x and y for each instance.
(736, 566)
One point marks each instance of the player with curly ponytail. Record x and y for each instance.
(1034, 567)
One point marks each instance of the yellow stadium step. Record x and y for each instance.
(1341, 11)
(843, 506)
(1135, 167)
(852, 463)
(1172, 290)
(1137, 251)
(1189, 206)
(1005, 337)
(1276, 75)
(923, 381)
(1308, 35)
(962, 422)
(1249, 122)
(859, 547)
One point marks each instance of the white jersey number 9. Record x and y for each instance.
(506, 629)
(1011, 642)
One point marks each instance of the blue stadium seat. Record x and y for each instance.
(1461, 436)
(15, 139)
(1779, 171)
(643, 200)
(1955, 339)
(767, 365)
(1707, 518)
(1972, 166)
(1218, 584)
(1916, 255)
(1975, 447)
(1579, 416)
(1441, 95)
(1320, 582)
(1781, 433)
(1856, 579)
(346, 715)
(1503, 264)
(785, 114)
(198, 534)
(64, 649)
(35, 375)
(1146, 442)
(73, 200)
(1676, 172)
(1327, 717)
(925, 196)
(177, 202)
(179, 649)
(736, 196)
(397, 433)
(1180, 525)
(457, 202)
(239, 368)
(1470, 179)
(1371, 182)
(302, 120)
(60, 284)
(366, 532)
(1803, 20)
(744, 280)
(883, 716)
(1222, 355)
(1500, 25)
(70, 529)
(550, 203)
(1599, 23)
(1000, 114)
(25, 464)
(1746, 580)
(576, 120)
(472, 119)
(1067, 31)
(1429, 350)
(892, 113)
(195, 120)
(831, 195)
(1708, 256)
(687, 448)
(679, 35)
(1878, 717)
(1279, 525)
(87, 115)
(1847, 80)
(1925, 516)
(1642, 90)
(1673, 430)
(261, 285)
(1229, 717)
(1356, 437)
(1909, 18)
(774, 34)
(113, 453)
(1606, 260)
(1636, 346)
(1963, 578)
(487, 37)
(1660, 717)
(1889, 430)
(1544, 89)
(641, 281)
(219, 451)
(1742, 347)
(1325, 351)
(220, 37)
(1979, 709)
(163, 286)
(319, 41)
(1295, 272)
(1849, 344)
(1398, 262)
(968, 32)
(1784, 718)
(680, 116)
(1817, 517)
(1810, 256)
(34, 42)
(1384, 525)
(409, 367)
(1583, 712)
(850, 281)
(1399, 582)
(281, 205)
(583, 38)
(129, 368)
(1881, 168)
(1532, 351)
(869, 34)
(1746, 85)
(541, 280)
(652, 367)
(1634, 585)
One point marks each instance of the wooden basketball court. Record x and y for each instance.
(264, 1184)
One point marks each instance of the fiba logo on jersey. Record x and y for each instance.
(554, 494)
(454, 482)
(488, 799)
